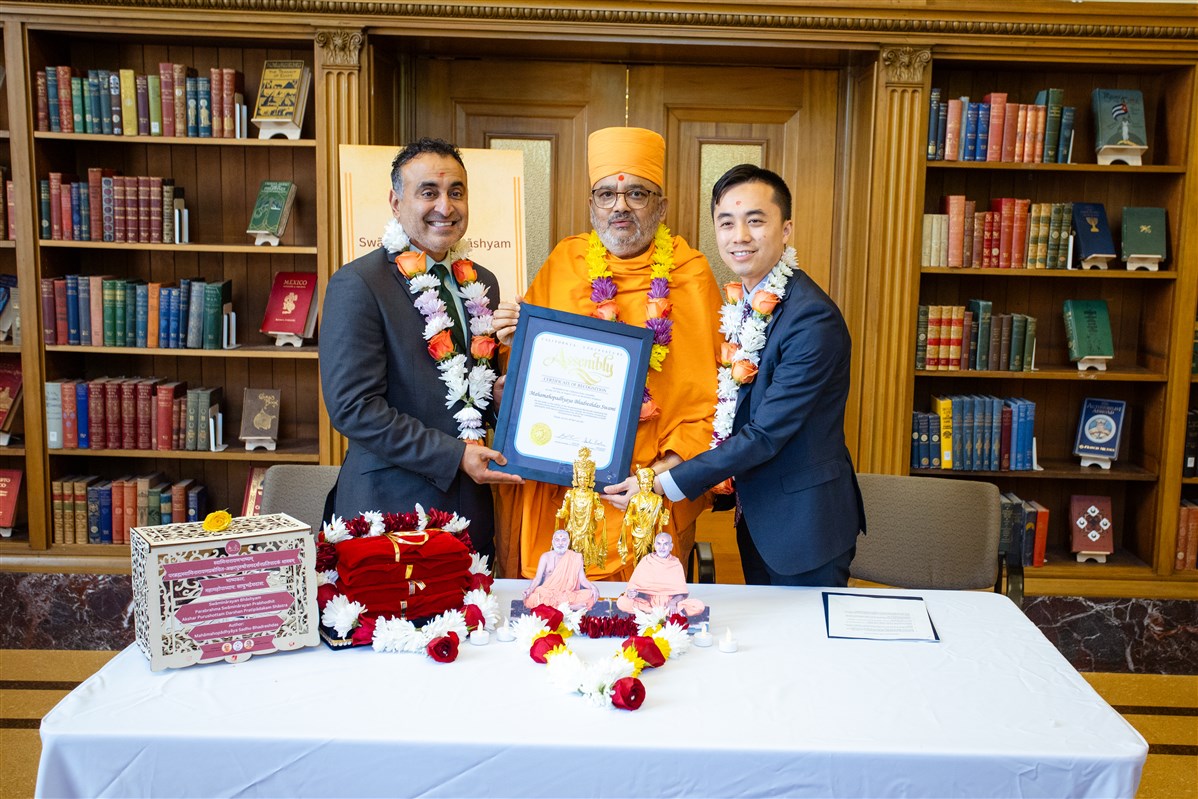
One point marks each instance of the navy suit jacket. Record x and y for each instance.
(384, 393)
(794, 476)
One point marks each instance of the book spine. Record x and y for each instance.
(53, 393)
(212, 317)
(120, 232)
(166, 81)
(115, 104)
(142, 98)
(72, 308)
(154, 99)
(168, 211)
(203, 108)
(60, 310)
(105, 502)
(97, 432)
(216, 98)
(146, 400)
(129, 414)
(128, 92)
(112, 416)
(78, 107)
(70, 417)
(155, 210)
(93, 513)
(193, 403)
(66, 108)
(179, 81)
(104, 91)
(141, 315)
(82, 415)
(143, 209)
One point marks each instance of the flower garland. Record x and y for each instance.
(744, 334)
(610, 682)
(470, 387)
(657, 302)
(440, 636)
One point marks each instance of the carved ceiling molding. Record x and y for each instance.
(672, 17)
(340, 47)
(905, 64)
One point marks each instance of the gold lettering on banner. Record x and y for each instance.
(340, 47)
(905, 64)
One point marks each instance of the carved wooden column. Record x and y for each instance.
(892, 290)
(339, 114)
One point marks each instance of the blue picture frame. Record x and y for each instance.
(630, 370)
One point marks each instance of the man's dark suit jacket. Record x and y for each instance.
(794, 476)
(384, 393)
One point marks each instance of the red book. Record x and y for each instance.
(112, 412)
(64, 199)
(166, 75)
(952, 131)
(66, 109)
(1019, 233)
(95, 203)
(70, 415)
(1191, 536)
(1010, 132)
(49, 328)
(43, 102)
(979, 239)
(179, 426)
(10, 387)
(1041, 119)
(1005, 208)
(146, 391)
(954, 206)
(179, 500)
(1092, 524)
(118, 510)
(60, 310)
(251, 503)
(128, 394)
(155, 210)
(56, 206)
(291, 307)
(216, 101)
(1041, 542)
(119, 222)
(130, 503)
(230, 79)
(1021, 137)
(179, 81)
(10, 492)
(97, 431)
(143, 209)
(166, 394)
(998, 119)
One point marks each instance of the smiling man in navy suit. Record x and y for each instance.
(783, 387)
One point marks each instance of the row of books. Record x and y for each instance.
(976, 433)
(103, 311)
(1023, 530)
(91, 510)
(10, 495)
(1017, 233)
(8, 208)
(175, 103)
(144, 209)
(134, 413)
(959, 337)
(1187, 537)
(997, 130)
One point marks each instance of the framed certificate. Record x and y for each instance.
(572, 381)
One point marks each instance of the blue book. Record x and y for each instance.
(933, 118)
(105, 101)
(958, 429)
(182, 314)
(995, 434)
(981, 444)
(130, 329)
(93, 511)
(941, 130)
(193, 101)
(52, 99)
(76, 217)
(84, 230)
(1013, 443)
(1100, 428)
(85, 305)
(970, 150)
(141, 313)
(173, 318)
(197, 499)
(915, 417)
(203, 107)
(1093, 244)
(104, 492)
(95, 115)
(72, 309)
(1027, 542)
(1065, 148)
(164, 323)
(983, 131)
(81, 413)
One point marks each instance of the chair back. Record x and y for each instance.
(928, 532)
(298, 490)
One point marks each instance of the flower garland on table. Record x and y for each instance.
(471, 387)
(657, 299)
(440, 636)
(610, 682)
(744, 334)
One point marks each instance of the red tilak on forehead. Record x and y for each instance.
(619, 177)
(440, 174)
(738, 202)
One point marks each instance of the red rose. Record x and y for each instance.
(680, 620)
(763, 302)
(411, 263)
(326, 556)
(550, 615)
(646, 650)
(324, 593)
(480, 580)
(723, 488)
(627, 693)
(657, 307)
(544, 645)
(743, 372)
(440, 346)
(463, 271)
(364, 633)
(444, 649)
(735, 291)
(606, 310)
(649, 409)
(474, 617)
(483, 347)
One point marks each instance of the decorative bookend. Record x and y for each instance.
(1092, 527)
(1099, 431)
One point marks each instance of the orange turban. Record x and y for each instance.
(635, 150)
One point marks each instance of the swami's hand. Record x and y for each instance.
(477, 458)
(505, 318)
(618, 494)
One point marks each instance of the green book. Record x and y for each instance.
(77, 105)
(1143, 236)
(1029, 344)
(921, 338)
(1018, 331)
(154, 89)
(193, 404)
(1119, 119)
(1088, 330)
(154, 502)
(218, 297)
(1052, 99)
(206, 398)
(272, 208)
(112, 290)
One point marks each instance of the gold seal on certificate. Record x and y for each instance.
(540, 434)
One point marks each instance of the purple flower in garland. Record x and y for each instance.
(659, 287)
(602, 289)
(662, 330)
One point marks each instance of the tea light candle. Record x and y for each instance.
(728, 643)
(702, 636)
(480, 637)
(504, 633)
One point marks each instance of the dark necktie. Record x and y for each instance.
(451, 305)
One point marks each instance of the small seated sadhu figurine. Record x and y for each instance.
(561, 577)
(659, 581)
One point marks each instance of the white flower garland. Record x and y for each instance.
(472, 387)
(747, 333)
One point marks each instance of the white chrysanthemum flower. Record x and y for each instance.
(649, 618)
(467, 415)
(482, 378)
(479, 435)
(335, 531)
(677, 637)
(424, 283)
(727, 388)
(598, 679)
(435, 324)
(449, 621)
(752, 335)
(328, 577)
(341, 614)
(473, 291)
(394, 238)
(730, 317)
(429, 303)
(482, 325)
(572, 619)
(565, 671)
(487, 603)
(478, 563)
(421, 517)
(375, 518)
(458, 251)
(453, 365)
(527, 626)
(396, 635)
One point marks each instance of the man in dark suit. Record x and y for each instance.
(780, 430)
(405, 355)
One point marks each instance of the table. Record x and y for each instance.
(991, 710)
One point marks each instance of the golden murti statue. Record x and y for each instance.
(582, 513)
(645, 518)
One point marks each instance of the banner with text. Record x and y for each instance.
(496, 193)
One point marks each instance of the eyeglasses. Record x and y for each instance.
(635, 198)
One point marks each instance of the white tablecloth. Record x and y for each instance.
(991, 710)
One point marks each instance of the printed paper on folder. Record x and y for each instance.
(878, 617)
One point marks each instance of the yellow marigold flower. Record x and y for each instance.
(596, 258)
(632, 657)
(564, 631)
(657, 356)
(664, 646)
(217, 520)
(560, 649)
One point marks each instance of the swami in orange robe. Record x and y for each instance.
(684, 390)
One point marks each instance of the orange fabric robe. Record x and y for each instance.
(660, 580)
(684, 389)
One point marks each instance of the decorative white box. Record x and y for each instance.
(202, 596)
